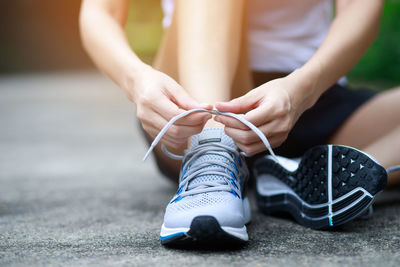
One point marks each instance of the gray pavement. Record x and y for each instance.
(74, 191)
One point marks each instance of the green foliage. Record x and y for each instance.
(382, 61)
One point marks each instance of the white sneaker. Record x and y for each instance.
(209, 204)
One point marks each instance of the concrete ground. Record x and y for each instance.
(74, 191)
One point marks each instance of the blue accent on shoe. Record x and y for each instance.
(176, 199)
(233, 183)
(183, 175)
(234, 165)
(179, 190)
(170, 236)
(233, 175)
(235, 194)
(330, 221)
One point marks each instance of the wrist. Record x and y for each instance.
(132, 75)
(306, 88)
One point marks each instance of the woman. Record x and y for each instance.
(297, 57)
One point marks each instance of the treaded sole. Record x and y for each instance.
(204, 230)
(332, 185)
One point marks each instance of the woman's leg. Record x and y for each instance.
(169, 60)
(209, 41)
(375, 129)
(387, 150)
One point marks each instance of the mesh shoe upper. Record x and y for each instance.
(211, 182)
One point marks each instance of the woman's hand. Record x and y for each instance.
(273, 107)
(158, 98)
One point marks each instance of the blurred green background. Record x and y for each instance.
(43, 35)
(381, 64)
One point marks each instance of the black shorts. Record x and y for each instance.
(319, 122)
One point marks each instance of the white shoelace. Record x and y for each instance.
(214, 112)
(392, 169)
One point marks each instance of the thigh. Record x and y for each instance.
(166, 59)
(372, 120)
(242, 80)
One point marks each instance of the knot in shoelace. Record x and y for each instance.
(229, 172)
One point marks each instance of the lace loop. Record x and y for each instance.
(213, 112)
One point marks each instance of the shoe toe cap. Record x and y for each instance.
(229, 212)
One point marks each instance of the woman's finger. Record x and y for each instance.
(153, 132)
(175, 131)
(272, 107)
(242, 136)
(182, 131)
(279, 127)
(257, 147)
(231, 122)
(182, 99)
(167, 109)
(252, 149)
(257, 117)
(260, 115)
(241, 104)
(270, 129)
(194, 119)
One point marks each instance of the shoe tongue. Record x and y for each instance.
(210, 136)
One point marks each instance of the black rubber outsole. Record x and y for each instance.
(204, 231)
(350, 170)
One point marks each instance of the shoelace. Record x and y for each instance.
(392, 169)
(229, 172)
(214, 112)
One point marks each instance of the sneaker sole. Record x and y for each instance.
(332, 185)
(207, 230)
(203, 230)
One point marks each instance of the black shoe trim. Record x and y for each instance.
(204, 231)
(351, 185)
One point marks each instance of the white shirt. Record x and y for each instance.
(282, 34)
